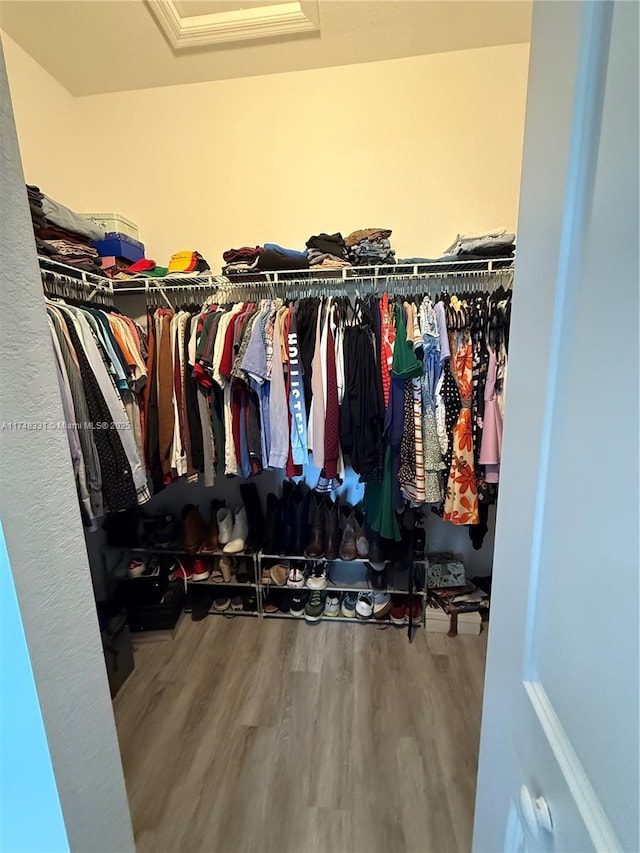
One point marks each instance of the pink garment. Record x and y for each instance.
(491, 445)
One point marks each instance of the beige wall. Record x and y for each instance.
(427, 146)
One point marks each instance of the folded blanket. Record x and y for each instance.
(63, 217)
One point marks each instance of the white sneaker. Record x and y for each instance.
(364, 605)
(296, 578)
(239, 534)
(332, 604)
(317, 577)
(225, 525)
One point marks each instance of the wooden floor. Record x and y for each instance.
(272, 736)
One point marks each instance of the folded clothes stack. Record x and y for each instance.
(267, 258)
(494, 244)
(327, 251)
(182, 264)
(243, 260)
(370, 247)
(63, 235)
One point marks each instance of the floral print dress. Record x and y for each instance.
(461, 501)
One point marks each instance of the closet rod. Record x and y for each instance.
(67, 287)
(357, 275)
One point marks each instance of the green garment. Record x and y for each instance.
(378, 503)
(405, 364)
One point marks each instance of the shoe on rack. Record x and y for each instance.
(317, 577)
(243, 575)
(362, 543)
(250, 603)
(348, 549)
(211, 543)
(379, 579)
(314, 549)
(376, 552)
(202, 604)
(332, 604)
(364, 605)
(226, 565)
(279, 574)
(381, 605)
(136, 568)
(314, 608)
(255, 516)
(272, 532)
(298, 603)
(238, 539)
(224, 517)
(300, 506)
(284, 601)
(152, 569)
(348, 605)
(237, 603)
(184, 571)
(270, 602)
(201, 570)
(193, 529)
(296, 577)
(286, 518)
(222, 604)
(398, 612)
(333, 534)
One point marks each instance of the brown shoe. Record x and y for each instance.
(315, 546)
(279, 574)
(226, 566)
(211, 543)
(193, 529)
(348, 550)
(333, 532)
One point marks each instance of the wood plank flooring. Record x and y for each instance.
(274, 736)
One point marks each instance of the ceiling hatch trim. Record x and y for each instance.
(281, 19)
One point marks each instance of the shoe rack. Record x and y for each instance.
(355, 576)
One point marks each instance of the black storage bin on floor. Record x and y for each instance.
(158, 615)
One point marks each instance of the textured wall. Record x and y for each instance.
(41, 521)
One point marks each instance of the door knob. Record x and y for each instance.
(535, 813)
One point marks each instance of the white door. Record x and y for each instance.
(561, 699)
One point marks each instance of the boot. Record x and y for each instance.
(272, 535)
(225, 525)
(333, 532)
(362, 543)
(348, 549)
(193, 529)
(238, 539)
(255, 516)
(211, 543)
(286, 518)
(376, 552)
(301, 503)
(314, 549)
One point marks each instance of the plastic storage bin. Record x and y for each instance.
(114, 222)
(128, 249)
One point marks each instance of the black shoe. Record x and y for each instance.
(250, 604)
(376, 551)
(202, 604)
(287, 519)
(272, 533)
(300, 504)
(243, 574)
(298, 603)
(255, 516)
(284, 600)
(379, 579)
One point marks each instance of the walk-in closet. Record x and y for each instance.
(272, 348)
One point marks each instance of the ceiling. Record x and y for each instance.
(106, 46)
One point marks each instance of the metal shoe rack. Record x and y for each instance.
(342, 576)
